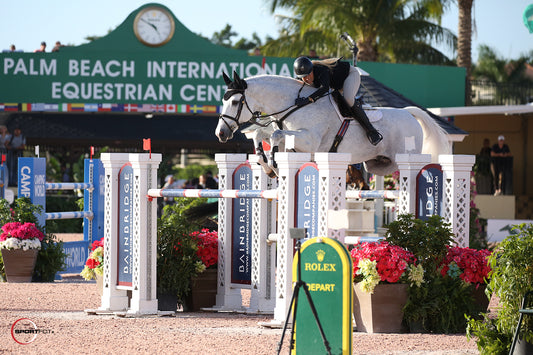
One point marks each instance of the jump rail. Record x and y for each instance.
(264, 194)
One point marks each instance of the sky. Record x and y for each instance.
(26, 23)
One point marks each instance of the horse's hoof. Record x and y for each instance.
(272, 174)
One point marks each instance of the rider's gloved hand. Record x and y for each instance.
(301, 101)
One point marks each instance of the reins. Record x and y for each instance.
(256, 115)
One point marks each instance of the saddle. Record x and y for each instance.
(345, 111)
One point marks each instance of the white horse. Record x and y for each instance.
(313, 127)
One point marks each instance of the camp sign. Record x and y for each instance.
(326, 267)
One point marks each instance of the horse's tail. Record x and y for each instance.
(435, 139)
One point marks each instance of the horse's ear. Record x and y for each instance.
(236, 76)
(227, 80)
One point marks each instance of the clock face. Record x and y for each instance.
(153, 26)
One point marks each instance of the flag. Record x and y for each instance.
(147, 145)
(91, 107)
(92, 152)
(130, 108)
(37, 107)
(117, 107)
(76, 107)
(51, 107)
(171, 108)
(11, 107)
(145, 108)
(26, 107)
(104, 107)
(158, 108)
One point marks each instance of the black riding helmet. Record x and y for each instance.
(302, 67)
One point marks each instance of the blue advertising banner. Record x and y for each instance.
(96, 168)
(125, 215)
(77, 253)
(429, 187)
(31, 183)
(307, 199)
(241, 253)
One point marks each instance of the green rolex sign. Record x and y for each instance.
(326, 268)
(528, 17)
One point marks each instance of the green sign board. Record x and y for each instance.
(129, 71)
(327, 270)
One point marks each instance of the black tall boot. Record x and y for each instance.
(359, 114)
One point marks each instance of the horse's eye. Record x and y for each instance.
(234, 102)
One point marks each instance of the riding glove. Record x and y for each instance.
(301, 101)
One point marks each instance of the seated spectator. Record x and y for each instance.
(42, 48)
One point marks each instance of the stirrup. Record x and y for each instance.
(374, 137)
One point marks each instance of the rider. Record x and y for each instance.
(338, 75)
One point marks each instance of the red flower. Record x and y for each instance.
(92, 263)
(207, 242)
(472, 263)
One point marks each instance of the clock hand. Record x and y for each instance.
(151, 24)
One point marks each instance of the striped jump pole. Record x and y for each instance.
(195, 193)
(377, 194)
(68, 185)
(69, 215)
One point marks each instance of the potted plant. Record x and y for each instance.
(94, 266)
(177, 251)
(472, 267)
(439, 305)
(204, 284)
(50, 256)
(510, 278)
(19, 244)
(381, 273)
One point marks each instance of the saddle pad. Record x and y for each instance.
(373, 114)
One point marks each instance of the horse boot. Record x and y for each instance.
(359, 114)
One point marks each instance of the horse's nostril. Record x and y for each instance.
(221, 133)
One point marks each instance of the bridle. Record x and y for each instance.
(257, 116)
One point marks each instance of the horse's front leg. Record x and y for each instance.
(263, 160)
(294, 141)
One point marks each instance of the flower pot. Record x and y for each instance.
(480, 298)
(167, 302)
(523, 347)
(381, 311)
(99, 284)
(203, 291)
(19, 264)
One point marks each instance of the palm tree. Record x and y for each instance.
(464, 44)
(393, 30)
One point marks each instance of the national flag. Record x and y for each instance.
(171, 108)
(130, 108)
(196, 109)
(104, 107)
(26, 107)
(91, 108)
(209, 109)
(158, 108)
(145, 108)
(183, 108)
(37, 107)
(11, 107)
(1, 107)
(63, 107)
(51, 107)
(117, 107)
(76, 107)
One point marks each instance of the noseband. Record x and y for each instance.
(242, 102)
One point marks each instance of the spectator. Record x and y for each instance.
(57, 46)
(171, 183)
(12, 48)
(257, 51)
(312, 54)
(5, 137)
(42, 48)
(500, 151)
(15, 147)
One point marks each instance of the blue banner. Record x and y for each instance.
(125, 230)
(77, 253)
(307, 199)
(31, 183)
(241, 253)
(429, 187)
(96, 168)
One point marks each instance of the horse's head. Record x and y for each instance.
(233, 115)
